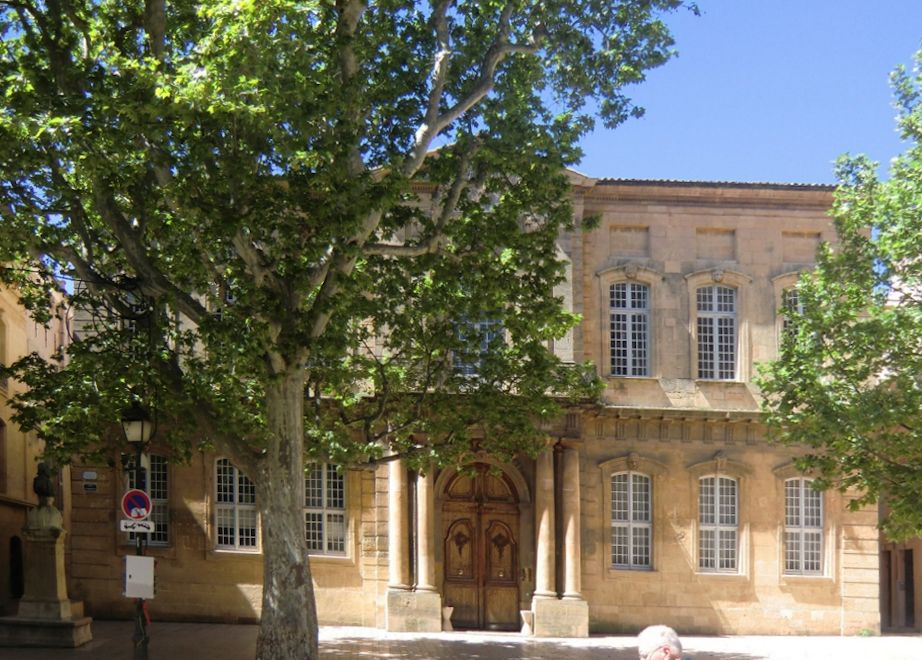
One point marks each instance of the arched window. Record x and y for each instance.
(236, 518)
(628, 505)
(325, 510)
(803, 528)
(717, 332)
(718, 524)
(631, 520)
(629, 329)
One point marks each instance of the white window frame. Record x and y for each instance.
(717, 332)
(235, 507)
(159, 466)
(629, 329)
(718, 524)
(804, 518)
(325, 517)
(631, 521)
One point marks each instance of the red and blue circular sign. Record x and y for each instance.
(136, 504)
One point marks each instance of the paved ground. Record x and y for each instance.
(181, 641)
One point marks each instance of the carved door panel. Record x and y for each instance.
(480, 519)
(500, 574)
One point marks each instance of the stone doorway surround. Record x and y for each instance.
(414, 598)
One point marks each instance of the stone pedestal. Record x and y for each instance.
(560, 618)
(414, 611)
(46, 617)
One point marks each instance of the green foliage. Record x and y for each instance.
(848, 384)
(241, 172)
(282, 218)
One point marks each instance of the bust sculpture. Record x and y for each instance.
(46, 516)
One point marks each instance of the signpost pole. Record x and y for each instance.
(140, 637)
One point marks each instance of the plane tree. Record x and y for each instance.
(848, 384)
(303, 230)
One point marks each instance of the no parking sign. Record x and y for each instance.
(136, 504)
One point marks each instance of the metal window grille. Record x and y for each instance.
(803, 528)
(629, 334)
(716, 325)
(631, 520)
(718, 537)
(325, 510)
(236, 518)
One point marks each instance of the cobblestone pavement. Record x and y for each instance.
(194, 641)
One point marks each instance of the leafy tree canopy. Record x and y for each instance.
(848, 384)
(286, 219)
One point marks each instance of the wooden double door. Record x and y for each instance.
(480, 519)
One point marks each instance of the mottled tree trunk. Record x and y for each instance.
(289, 616)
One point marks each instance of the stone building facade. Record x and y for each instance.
(664, 502)
(19, 452)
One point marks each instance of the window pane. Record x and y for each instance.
(619, 548)
(336, 490)
(727, 549)
(336, 532)
(619, 501)
(246, 491)
(224, 481)
(641, 546)
(727, 501)
(313, 531)
(641, 498)
(224, 518)
(313, 487)
(707, 550)
(813, 551)
(705, 347)
(247, 520)
(706, 501)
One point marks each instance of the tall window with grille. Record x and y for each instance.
(803, 528)
(716, 327)
(631, 520)
(325, 510)
(791, 308)
(485, 336)
(236, 518)
(158, 489)
(718, 524)
(629, 330)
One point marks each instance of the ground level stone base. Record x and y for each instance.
(414, 611)
(17, 631)
(560, 618)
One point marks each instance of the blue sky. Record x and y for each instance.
(766, 90)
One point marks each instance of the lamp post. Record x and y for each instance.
(138, 429)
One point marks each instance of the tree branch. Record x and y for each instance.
(152, 281)
(436, 241)
(435, 121)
